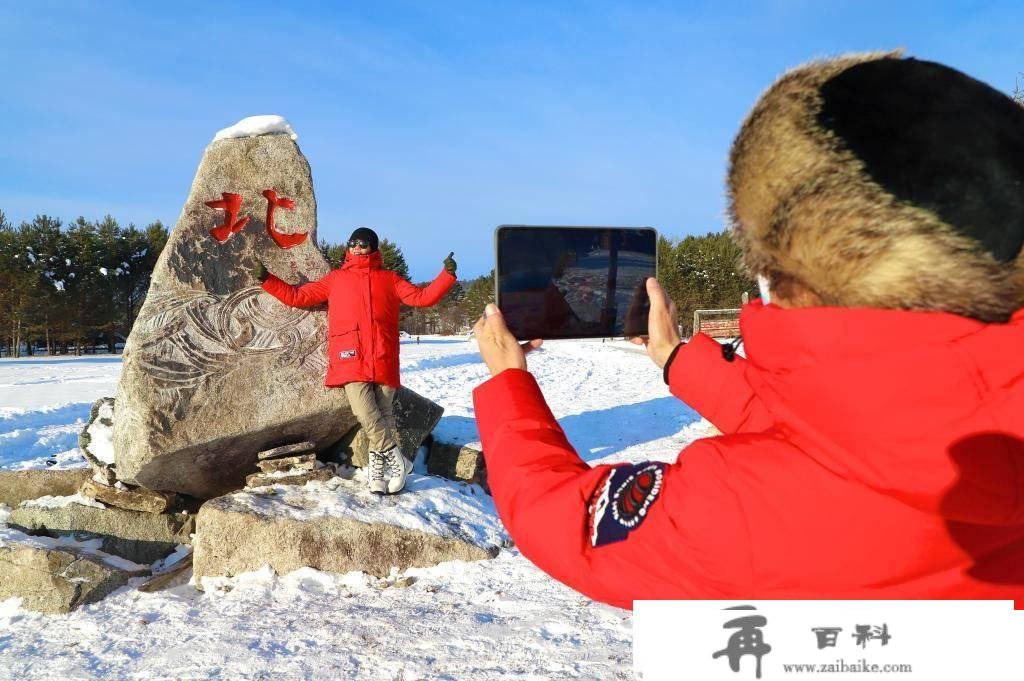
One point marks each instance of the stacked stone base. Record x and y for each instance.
(62, 547)
(57, 554)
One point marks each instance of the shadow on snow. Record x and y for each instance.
(596, 434)
(442, 362)
(22, 439)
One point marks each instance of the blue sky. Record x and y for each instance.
(434, 122)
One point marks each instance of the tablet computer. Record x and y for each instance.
(574, 282)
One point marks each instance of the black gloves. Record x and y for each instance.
(449, 264)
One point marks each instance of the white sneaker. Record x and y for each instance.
(375, 473)
(398, 468)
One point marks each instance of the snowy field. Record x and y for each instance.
(496, 619)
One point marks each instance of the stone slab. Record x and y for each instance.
(216, 369)
(331, 526)
(457, 462)
(298, 477)
(53, 578)
(286, 450)
(415, 415)
(19, 486)
(132, 499)
(303, 462)
(139, 537)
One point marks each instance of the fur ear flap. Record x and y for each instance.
(884, 182)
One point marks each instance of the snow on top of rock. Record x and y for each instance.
(101, 435)
(61, 502)
(257, 125)
(91, 547)
(427, 504)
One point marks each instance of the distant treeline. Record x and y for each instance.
(701, 273)
(78, 287)
(70, 288)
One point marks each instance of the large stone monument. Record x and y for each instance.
(215, 369)
(216, 373)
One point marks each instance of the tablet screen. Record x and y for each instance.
(574, 282)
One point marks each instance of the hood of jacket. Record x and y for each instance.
(926, 407)
(370, 261)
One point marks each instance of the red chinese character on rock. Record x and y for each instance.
(280, 238)
(230, 204)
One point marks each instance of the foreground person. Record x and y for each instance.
(873, 438)
(362, 318)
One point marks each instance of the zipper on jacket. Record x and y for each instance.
(373, 326)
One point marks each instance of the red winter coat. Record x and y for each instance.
(362, 315)
(866, 454)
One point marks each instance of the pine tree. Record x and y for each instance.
(479, 292)
(702, 272)
(393, 258)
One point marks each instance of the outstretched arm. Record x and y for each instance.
(615, 533)
(306, 295)
(426, 296)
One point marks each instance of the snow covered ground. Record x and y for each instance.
(495, 619)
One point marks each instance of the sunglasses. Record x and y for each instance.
(361, 243)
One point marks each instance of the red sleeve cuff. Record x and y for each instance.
(668, 362)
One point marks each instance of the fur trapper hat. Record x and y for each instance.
(871, 180)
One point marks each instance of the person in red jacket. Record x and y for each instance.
(363, 302)
(872, 439)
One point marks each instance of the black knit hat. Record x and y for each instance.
(368, 235)
(877, 181)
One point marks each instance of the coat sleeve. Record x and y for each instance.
(306, 295)
(717, 389)
(615, 533)
(426, 296)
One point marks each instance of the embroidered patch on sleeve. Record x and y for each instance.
(622, 501)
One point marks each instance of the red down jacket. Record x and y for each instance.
(362, 315)
(866, 454)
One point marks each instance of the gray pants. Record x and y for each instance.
(371, 404)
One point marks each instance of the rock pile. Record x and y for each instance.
(294, 464)
(134, 535)
(59, 551)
